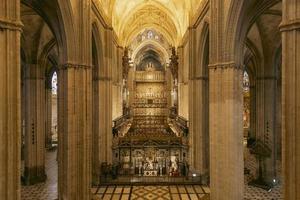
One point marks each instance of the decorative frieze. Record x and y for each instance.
(74, 66)
(226, 65)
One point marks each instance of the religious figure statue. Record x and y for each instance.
(174, 64)
(149, 164)
(126, 63)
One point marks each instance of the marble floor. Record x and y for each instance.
(48, 190)
(254, 193)
(174, 192)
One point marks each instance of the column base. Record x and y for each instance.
(260, 183)
(205, 179)
(96, 181)
(34, 175)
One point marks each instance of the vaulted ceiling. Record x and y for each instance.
(169, 17)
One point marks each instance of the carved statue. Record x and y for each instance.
(174, 64)
(149, 164)
(126, 63)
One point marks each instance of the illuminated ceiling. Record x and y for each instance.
(169, 17)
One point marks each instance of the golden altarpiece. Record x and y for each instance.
(150, 140)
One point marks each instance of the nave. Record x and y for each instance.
(106, 92)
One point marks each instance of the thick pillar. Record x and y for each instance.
(10, 100)
(74, 121)
(226, 131)
(34, 125)
(225, 105)
(291, 98)
(75, 106)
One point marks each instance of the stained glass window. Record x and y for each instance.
(246, 82)
(150, 34)
(246, 86)
(54, 83)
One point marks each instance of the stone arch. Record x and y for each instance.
(59, 17)
(204, 48)
(98, 47)
(252, 56)
(160, 7)
(155, 44)
(169, 37)
(242, 14)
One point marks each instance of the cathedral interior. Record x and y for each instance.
(149, 99)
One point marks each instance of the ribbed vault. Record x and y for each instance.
(171, 17)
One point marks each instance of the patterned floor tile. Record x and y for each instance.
(48, 190)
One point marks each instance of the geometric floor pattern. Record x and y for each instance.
(48, 190)
(172, 192)
(255, 193)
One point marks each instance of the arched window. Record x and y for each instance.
(246, 87)
(150, 34)
(246, 82)
(54, 83)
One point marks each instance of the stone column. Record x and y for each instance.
(290, 28)
(34, 125)
(10, 100)
(226, 131)
(199, 124)
(265, 122)
(269, 131)
(102, 126)
(48, 120)
(75, 105)
(74, 127)
(252, 110)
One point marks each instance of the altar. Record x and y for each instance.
(150, 141)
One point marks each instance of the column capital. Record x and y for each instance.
(10, 25)
(74, 66)
(290, 25)
(226, 65)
